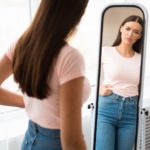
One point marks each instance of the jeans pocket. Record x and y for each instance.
(131, 108)
(135, 105)
(42, 144)
(46, 142)
(107, 98)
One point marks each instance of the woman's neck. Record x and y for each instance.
(125, 50)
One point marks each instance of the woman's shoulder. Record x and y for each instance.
(138, 55)
(70, 64)
(67, 48)
(107, 49)
(70, 56)
(69, 51)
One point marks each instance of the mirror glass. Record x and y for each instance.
(118, 90)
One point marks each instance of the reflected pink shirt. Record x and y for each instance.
(121, 72)
(69, 65)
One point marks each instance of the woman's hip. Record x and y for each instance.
(40, 138)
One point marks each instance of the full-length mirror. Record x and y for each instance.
(120, 59)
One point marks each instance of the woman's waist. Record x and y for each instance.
(123, 89)
(118, 98)
(49, 132)
(128, 98)
(125, 92)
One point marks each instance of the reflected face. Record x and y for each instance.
(131, 32)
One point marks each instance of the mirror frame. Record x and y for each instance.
(142, 67)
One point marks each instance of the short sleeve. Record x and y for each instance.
(71, 65)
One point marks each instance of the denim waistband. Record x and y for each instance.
(45, 131)
(130, 98)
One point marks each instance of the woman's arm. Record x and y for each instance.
(70, 115)
(5, 68)
(7, 97)
(10, 99)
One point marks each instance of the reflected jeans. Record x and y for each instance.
(39, 138)
(116, 122)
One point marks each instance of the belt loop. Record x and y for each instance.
(130, 98)
(116, 96)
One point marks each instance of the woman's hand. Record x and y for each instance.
(105, 89)
(7, 97)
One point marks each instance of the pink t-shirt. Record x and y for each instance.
(69, 65)
(121, 72)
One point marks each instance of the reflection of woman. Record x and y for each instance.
(50, 73)
(117, 109)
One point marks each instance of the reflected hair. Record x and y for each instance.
(36, 51)
(138, 45)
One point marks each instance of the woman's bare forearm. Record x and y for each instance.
(6, 97)
(10, 98)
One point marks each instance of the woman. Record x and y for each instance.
(50, 74)
(117, 109)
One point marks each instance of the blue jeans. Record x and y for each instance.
(116, 122)
(39, 138)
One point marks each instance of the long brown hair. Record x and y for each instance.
(37, 49)
(138, 45)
